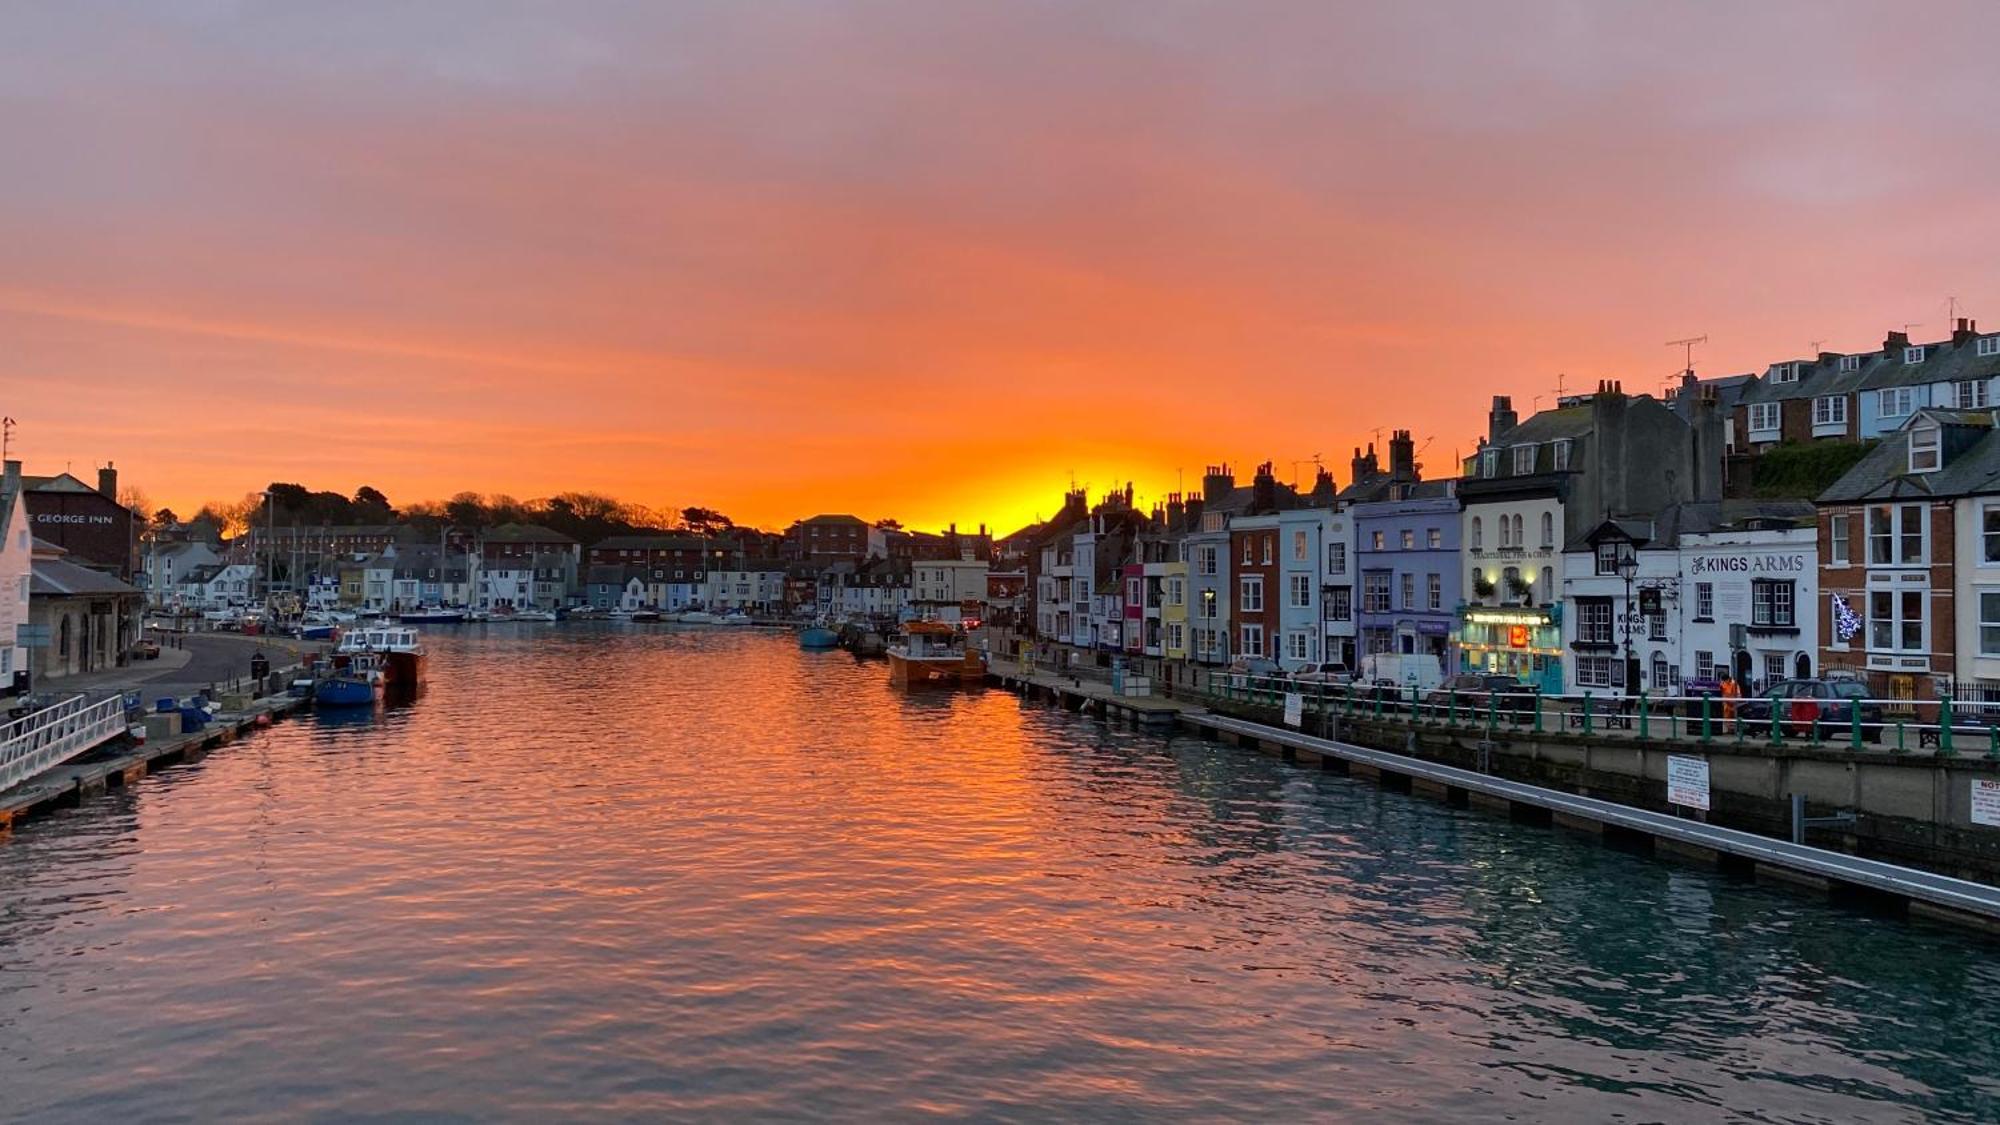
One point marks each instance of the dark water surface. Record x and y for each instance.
(680, 874)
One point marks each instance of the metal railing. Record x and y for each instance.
(53, 735)
(1895, 726)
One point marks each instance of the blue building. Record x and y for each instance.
(1407, 552)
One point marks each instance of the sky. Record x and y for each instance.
(933, 260)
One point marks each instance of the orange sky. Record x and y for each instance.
(926, 260)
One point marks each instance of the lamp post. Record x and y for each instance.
(1628, 569)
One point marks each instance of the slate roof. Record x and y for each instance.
(651, 543)
(524, 533)
(59, 578)
(1971, 448)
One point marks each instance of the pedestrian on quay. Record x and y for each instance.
(1731, 692)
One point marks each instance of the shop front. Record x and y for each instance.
(1524, 642)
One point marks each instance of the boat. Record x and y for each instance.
(400, 651)
(432, 615)
(318, 627)
(645, 615)
(734, 617)
(698, 617)
(363, 681)
(531, 615)
(818, 637)
(931, 653)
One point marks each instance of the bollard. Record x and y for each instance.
(1538, 710)
(1945, 749)
(1854, 723)
(1492, 713)
(1777, 726)
(1451, 708)
(1899, 737)
(1707, 731)
(1993, 740)
(1587, 717)
(1645, 720)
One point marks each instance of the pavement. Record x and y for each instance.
(198, 660)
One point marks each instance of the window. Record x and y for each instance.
(1896, 402)
(1830, 410)
(1548, 585)
(1477, 538)
(1593, 621)
(1375, 593)
(1610, 554)
(1296, 647)
(1434, 597)
(1896, 535)
(1176, 591)
(1987, 345)
(1375, 539)
(1434, 538)
(1340, 604)
(1656, 626)
(1270, 544)
(1774, 668)
(1489, 462)
(1913, 356)
(1524, 460)
(1176, 639)
(1595, 671)
(1298, 591)
(1300, 552)
(1896, 620)
(1409, 540)
(1704, 663)
(1204, 560)
(1926, 450)
(1520, 536)
(1969, 394)
(1253, 640)
(1704, 601)
(1989, 620)
(1409, 591)
(1771, 603)
(1850, 363)
(1763, 416)
(1784, 373)
(1561, 451)
(1838, 551)
(1990, 532)
(1249, 545)
(1662, 675)
(1336, 558)
(1548, 530)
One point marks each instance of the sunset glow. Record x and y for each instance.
(930, 261)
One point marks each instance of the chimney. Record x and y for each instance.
(107, 481)
(1366, 467)
(1217, 482)
(10, 484)
(1402, 456)
(1501, 418)
(1264, 489)
(1894, 343)
(1964, 330)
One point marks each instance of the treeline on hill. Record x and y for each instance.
(583, 516)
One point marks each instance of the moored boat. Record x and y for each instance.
(360, 684)
(531, 615)
(735, 617)
(817, 637)
(931, 653)
(398, 650)
(698, 617)
(432, 615)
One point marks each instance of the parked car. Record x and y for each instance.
(1809, 706)
(145, 648)
(1512, 697)
(1323, 673)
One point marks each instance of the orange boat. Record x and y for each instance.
(933, 653)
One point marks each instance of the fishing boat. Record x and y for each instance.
(361, 683)
(735, 617)
(818, 637)
(399, 652)
(931, 653)
(318, 627)
(698, 617)
(532, 615)
(432, 615)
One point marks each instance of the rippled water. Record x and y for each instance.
(705, 875)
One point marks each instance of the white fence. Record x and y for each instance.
(54, 735)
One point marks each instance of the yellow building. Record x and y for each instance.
(1173, 610)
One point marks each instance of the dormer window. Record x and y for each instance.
(1987, 345)
(1489, 462)
(1850, 363)
(1926, 449)
(1524, 460)
(1784, 373)
(1912, 356)
(1561, 450)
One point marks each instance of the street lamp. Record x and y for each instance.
(1628, 569)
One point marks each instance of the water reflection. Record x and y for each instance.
(697, 873)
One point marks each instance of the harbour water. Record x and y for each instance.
(666, 873)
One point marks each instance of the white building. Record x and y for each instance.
(948, 589)
(1751, 605)
(753, 590)
(217, 587)
(17, 565)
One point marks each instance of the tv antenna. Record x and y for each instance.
(1815, 346)
(1688, 343)
(1559, 387)
(1315, 462)
(6, 437)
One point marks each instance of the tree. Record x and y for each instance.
(369, 497)
(165, 517)
(888, 525)
(705, 521)
(466, 510)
